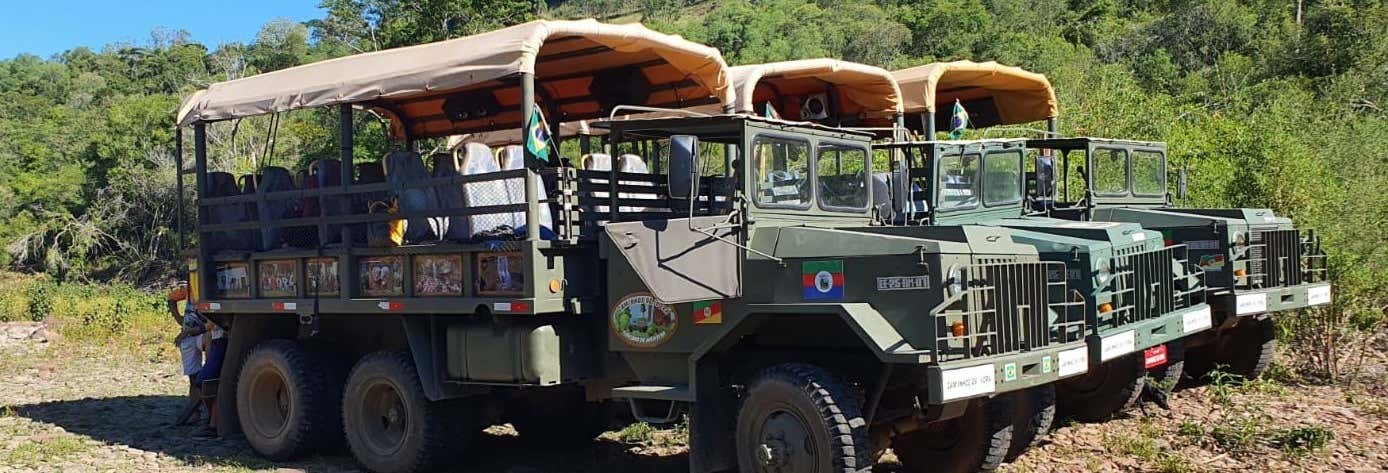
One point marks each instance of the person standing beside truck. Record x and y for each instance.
(188, 339)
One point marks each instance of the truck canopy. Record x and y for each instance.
(857, 93)
(993, 94)
(582, 69)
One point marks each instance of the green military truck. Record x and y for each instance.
(400, 308)
(1255, 263)
(1140, 293)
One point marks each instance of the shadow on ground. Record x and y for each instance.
(144, 423)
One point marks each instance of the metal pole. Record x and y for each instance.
(208, 273)
(346, 138)
(929, 125)
(1052, 128)
(178, 182)
(532, 217)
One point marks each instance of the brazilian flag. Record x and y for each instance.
(537, 136)
(958, 121)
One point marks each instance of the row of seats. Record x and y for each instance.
(398, 168)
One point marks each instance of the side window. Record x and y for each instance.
(781, 172)
(1149, 173)
(1002, 178)
(843, 177)
(958, 186)
(1110, 173)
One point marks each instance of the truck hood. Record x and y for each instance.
(1046, 230)
(950, 239)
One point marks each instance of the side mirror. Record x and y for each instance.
(684, 167)
(1182, 184)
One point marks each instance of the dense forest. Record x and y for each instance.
(1267, 103)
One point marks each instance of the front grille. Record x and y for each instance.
(1149, 284)
(1275, 256)
(1313, 259)
(1007, 307)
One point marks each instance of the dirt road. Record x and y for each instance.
(66, 409)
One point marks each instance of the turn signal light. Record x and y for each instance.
(1240, 273)
(957, 329)
(1105, 308)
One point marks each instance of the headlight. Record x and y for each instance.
(1102, 274)
(956, 279)
(1240, 239)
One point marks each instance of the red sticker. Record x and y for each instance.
(1154, 357)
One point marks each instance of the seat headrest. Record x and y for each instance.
(632, 163)
(597, 162)
(477, 151)
(511, 157)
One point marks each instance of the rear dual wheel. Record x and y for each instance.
(392, 427)
(287, 400)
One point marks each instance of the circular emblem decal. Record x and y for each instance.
(823, 281)
(643, 322)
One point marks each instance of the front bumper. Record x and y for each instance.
(1148, 333)
(1229, 305)
(965, 379)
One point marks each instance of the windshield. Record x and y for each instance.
(780, 169)
(1149, 175)
(842, 174)
(1002, 181)
(1110, 171)
(958, 186)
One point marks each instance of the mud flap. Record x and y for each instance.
(712, 419)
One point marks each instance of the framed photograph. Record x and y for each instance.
(233, 280)
(500, 274)
(438, 275)
(278, 278)
(323, 278)
(381, 276)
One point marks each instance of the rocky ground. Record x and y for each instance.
(83, 409)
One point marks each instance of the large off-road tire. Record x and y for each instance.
(1245, 350)
(1033, 415)
(392, 427)
(1104, 392)
(976, 441)
(800, 418)
(287, 400)
(565, 420)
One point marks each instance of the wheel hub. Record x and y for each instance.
(786, 445)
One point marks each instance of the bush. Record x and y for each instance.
(111, 315)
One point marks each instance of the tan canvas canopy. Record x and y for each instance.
(581, 69)
(993, 94)
(861, 91)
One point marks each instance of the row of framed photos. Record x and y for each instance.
(492, 274)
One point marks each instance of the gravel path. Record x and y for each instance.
(84, 411)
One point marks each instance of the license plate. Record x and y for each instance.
(1251, 303)
(1318, 295)
(1196, 320)
(965, 382)
(1073, 361)
(1114, 346)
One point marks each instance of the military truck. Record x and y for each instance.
(400, 308)
(1255, 262)
(1141, 294)
(1243, 341)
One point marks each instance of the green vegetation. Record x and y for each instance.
(44, 449)
(1262, 105)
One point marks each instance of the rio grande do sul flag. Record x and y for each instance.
(708, 312)
(822, 280)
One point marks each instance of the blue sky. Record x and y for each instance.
(45, 27)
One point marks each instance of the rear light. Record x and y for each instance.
(1105, 308)
(957, 329)
(1240, 273)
